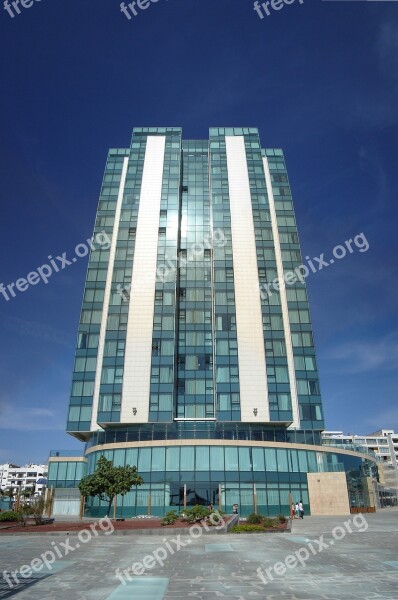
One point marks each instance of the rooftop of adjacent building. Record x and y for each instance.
(377, 443)
(382, 436)
(9, 471)
(31, 466)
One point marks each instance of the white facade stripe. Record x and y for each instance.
(282, 290)
(138, 353)
(249, 323)
(107, 294)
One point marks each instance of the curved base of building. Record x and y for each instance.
(258, 476)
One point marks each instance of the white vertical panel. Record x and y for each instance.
(138, 353)
(249, 323)
(282, 289)
(108, 285)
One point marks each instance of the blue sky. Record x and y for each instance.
(319, 79)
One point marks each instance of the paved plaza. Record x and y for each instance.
(321, 559)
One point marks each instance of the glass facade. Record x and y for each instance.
(87, 360)
(307, 383)
(194, 370)
(215, 220)
(66, 473)
(224, 475)
(195, 373)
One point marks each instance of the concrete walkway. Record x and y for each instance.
(317, 525)
(321, 559)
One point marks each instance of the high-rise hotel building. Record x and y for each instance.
(195, 357)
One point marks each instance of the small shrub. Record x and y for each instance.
(254, 519)
(246, 528)
(270, 522)
(9, 515)
(170, 518)
(281, 518)
(196, 513)
(215, 519)
(23, 513)
(37, 508)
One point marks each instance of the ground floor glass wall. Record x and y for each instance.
(218, 475)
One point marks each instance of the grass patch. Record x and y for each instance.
(9, 516)
(246, 528)
(260, 523)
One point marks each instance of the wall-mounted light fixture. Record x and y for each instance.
(255, 411)
(134, 411)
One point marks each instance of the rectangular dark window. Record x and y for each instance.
(229, 274)
(310, 412)
(156, 346)
(226, 322)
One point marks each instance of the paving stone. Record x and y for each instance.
(360, 566)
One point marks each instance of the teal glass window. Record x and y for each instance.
(144, 460)
(173, 459)
(187, 459)
(216, 458)
(282, 460)
(270, 459)
(231, 459)
(244, 459)
(258, 459)
(158, 459)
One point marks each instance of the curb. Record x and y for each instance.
(160, 531)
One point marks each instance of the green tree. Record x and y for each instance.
(108, 481)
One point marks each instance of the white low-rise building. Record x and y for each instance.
(19, 479)
(383, 444)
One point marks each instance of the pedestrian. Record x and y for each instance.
(301, 509)
(297, 510)
(293, 510)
